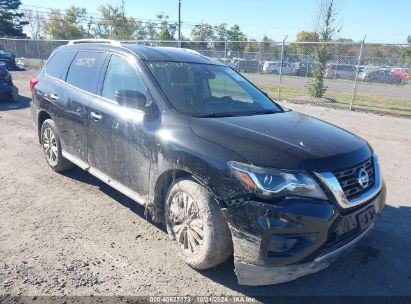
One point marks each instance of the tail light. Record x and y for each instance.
(33, 83)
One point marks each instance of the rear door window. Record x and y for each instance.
(85, 70)
(58, 64)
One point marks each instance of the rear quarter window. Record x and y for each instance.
(59, 62)
(85, 70)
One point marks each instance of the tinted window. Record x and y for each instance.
(58, 63)
(121, 75)
(85, 70)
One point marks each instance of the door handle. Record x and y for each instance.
(96, 116)
(54, 97)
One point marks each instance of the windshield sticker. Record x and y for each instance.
(87, 62)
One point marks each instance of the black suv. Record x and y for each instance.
(9, 59)
(225, 167)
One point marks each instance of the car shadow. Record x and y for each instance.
(22, 103)
(379, 265)
(82, 176)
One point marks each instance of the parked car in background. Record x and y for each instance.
(209, 154)
(9, 59)
(247, 66)
(304, 68)
(274, 67)
(381, 76)
(7, 90)
(340, 71)
(401, 72)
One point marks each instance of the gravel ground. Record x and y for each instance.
(70, 234)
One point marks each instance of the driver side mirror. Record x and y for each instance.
(132, 99)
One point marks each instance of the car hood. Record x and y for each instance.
(287, 140)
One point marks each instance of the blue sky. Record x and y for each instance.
(381, 20)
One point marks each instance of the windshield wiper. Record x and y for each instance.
(215, 115)
(262, 112)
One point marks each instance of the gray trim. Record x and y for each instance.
(338, 251)
(331, 182)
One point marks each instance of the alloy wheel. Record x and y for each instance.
(186, 223)
(50, 146)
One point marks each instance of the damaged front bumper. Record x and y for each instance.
(253, 275)
(275, 243)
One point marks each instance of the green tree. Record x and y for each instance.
(204, 33)
(235, 37)
(68, 25)
(10, 19)
(221, 32)
(166, 29)
(407, 51)
(151, 30)
(327, 28)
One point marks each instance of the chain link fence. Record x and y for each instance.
(362, 76)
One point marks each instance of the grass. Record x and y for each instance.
(369, 102)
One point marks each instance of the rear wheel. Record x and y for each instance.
(52, 147)
(196, 225)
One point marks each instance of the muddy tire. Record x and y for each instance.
(51, 145)
(196, 225)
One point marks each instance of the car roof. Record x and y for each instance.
(150, 53)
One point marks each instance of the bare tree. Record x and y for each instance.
(35, 24)
(327, 26)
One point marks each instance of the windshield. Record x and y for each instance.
(209, 90)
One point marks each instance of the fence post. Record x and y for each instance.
(15, 48)
(281, 69)
(39, 56)
(354, 92)
(27, 53)
(225, 48)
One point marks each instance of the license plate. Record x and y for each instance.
(348, 223)
(366, 218)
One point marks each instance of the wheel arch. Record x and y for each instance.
(41, 118)
(163, 184)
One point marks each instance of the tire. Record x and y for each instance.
(51, 145)
(196, 225)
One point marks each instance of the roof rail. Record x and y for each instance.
(181, 49)
(112, 42)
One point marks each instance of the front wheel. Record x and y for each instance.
(52, 147)
(196, 225)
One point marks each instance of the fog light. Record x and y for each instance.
(282, 245)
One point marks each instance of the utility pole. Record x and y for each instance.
(179, 23)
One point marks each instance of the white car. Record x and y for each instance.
(275, 67)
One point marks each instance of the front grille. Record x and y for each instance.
(348, 179)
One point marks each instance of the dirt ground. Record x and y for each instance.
(71, 234)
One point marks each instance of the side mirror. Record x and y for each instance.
(131, 99)
(265, 93)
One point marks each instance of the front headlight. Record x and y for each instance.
(276, 183)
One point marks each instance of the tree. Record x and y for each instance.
(151, 30)
(35, 24)
(234, 36)
(167, 30)
(327, 26)
(10, 19)
(68, 25)
(305, 48)
(407, 51)
(202, 32)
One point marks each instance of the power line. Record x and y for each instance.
(58, 11)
